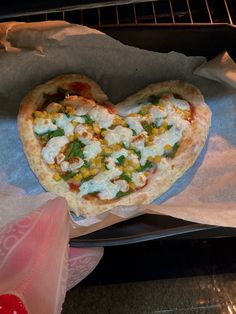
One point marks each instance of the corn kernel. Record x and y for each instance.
(132, 115)
(71, 138)
(103, 168)
(93, 171)
(150, 158)
(132, 185)
(84, 172)
(96, 128)
(108, 150)
(168, 147)
(90, 128)
(78, 177)
(164, 124)
(157, 159)
(38, 114)
(161, 130)
(149, 143)
(52, 166)
(154, 131)
(56, 177)
(118, 121)
(187, 115)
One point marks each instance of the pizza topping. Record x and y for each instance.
(96, 151)
(44, 125)
(102, 116)
(92, 150)
(53, 147)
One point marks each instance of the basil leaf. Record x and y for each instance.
(58, 132)
(48, 135)
(134, 132)
(86, 164)
(147, 165)
(138, 153)
(68, 176)
(121, 194)
(87, 119)
(74, 150)
(86, 179)
(172, 152)
(62, 91)
(154, 99)
(148, 127)
(169, 126)
(121, 159)
(124, 176)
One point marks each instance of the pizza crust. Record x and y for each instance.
(190, 146)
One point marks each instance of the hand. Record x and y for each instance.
(36, 264)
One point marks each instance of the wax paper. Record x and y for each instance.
(33, 53)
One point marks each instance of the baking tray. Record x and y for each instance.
(191, 40)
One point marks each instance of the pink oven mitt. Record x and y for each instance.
(36, 264)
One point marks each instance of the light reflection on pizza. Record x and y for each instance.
(98, 155)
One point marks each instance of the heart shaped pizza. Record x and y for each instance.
(98, 155)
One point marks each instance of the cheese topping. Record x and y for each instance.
(92, 149)
(119, 134)
(101, 153)
(44, 125)
(53, 147)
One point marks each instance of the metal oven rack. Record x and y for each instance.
(117, 13)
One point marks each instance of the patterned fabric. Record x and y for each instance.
(34, 262)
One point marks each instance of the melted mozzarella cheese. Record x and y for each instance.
(92, 150)
(119, 153)
(102, 183)
(65, 166)
(176, 120)
(81, 104)
(135, 124)
(84, 135)
(123, 185)
(53, 107)
(179, 103)
(157, 112)
(64, 123)
(78, 119)
(139, 179)
(119, 134)
(76, 164)
(53, 147)
(102, 116)
(44, 125)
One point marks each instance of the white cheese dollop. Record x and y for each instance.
(84, 135)
(135, 124)
(119, 134)
(76, 164)
(78, 119)
(119, 153)
(81, 104)
(92, 150)
(139, 179)
(64, 123)
(44, 125)
(53, 147)
(53, 107)
(123, 185)
(65, 166)
(157, 112)
(179, 103)
(102, 183)
(102, 116)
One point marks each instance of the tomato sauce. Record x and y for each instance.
(81, 89)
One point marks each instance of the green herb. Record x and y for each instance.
(87, 119)
(154, 99)
(86, 164)
(121, 194)
(138, 154)
(169, 126)
(68, 176)
(172, 152)
(48, 135)
(74, 149)
(121, 159)
(148, 127)
(134, 132)
(124, 176)
(147, 165)
(86, 179)
(62, 91)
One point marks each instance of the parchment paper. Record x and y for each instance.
(33, 53)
